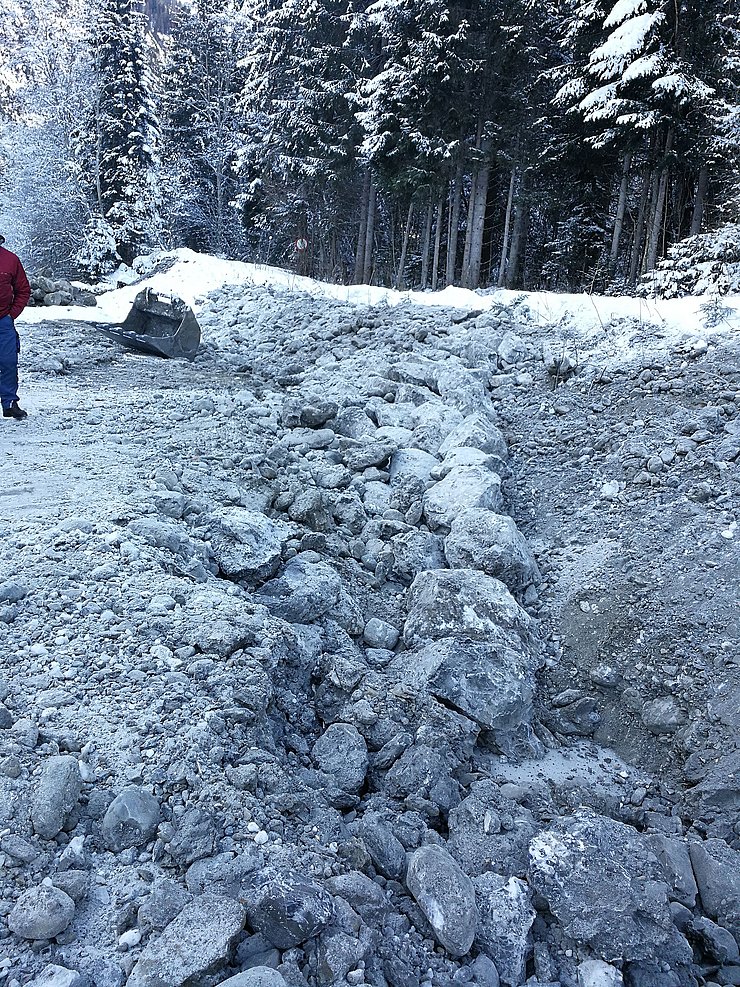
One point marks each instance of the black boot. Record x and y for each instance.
(14, 411)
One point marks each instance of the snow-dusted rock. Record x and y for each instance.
(41, 912)
(491, 681)
(246, 544)
(191, 944)
(461, 603)
(506, 917)
(477, 431)
(304, 591)
(57, 795)
(288, 908)
(582, 865)
(464, 487)
(480, 539)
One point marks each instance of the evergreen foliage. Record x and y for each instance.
(569, 145)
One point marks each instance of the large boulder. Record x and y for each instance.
(480, 539)
(717, 870)
(288, 908)
(198, 938)
(462, 488)
(602, 882)
(445, 895)
(41, 912)
(304, 592)
(462, 603)
(491, 682)
(341, 752)
(476, 432)
(246, 544)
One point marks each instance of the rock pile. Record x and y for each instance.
(262, 701)
(58, 291)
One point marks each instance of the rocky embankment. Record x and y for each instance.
(287, 696)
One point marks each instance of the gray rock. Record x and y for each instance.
(75, 883)
(461, 603)
(341, 752)
(506, 917)
(663, 716)
(363, 895)
(288, 908)
(195, 837)
(463, 488)
(414, 552)
(467, 456)
(247, 545)
(6, 718)
(257, 976)
(596, 973)
(41, 913)
(380, 634)
(585, 863)
(386, 852)
(353, 423)
(423, 773)
(304, 592)
(338, 953)
(476, 432)
(676, 863)
(718, 943)
(199, 937)
(18, 848)
(717, 871)
(491, 682)
(361, 455)
(479, 539)
(411, 463)
(445, 895)
(512, 349)
(164, 904)
(131, 819)
(223, 874)
(57, 795)
(484, 972)
(59, 976)
(12, 591)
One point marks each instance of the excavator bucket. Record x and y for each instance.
(162, 325)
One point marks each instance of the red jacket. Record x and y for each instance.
(14, 287)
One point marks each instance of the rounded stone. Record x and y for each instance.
(446, 896)
(41, 913)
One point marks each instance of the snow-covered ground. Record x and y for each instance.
(384, 593)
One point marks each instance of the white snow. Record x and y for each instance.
(615, 326)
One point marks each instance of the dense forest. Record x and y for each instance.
(564, 144)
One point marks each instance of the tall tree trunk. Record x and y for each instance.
(507, 225)
(400, 279)
(621, 209)
(438, 240)
(479, 220)
(519, 233)
(426, 243)
(455, 207)
(639, 228)
(701, 192)
(362, 234)
(370, 234)
(657, 219)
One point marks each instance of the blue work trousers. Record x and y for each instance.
(9, 349)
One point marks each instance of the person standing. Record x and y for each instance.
(14, 294)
